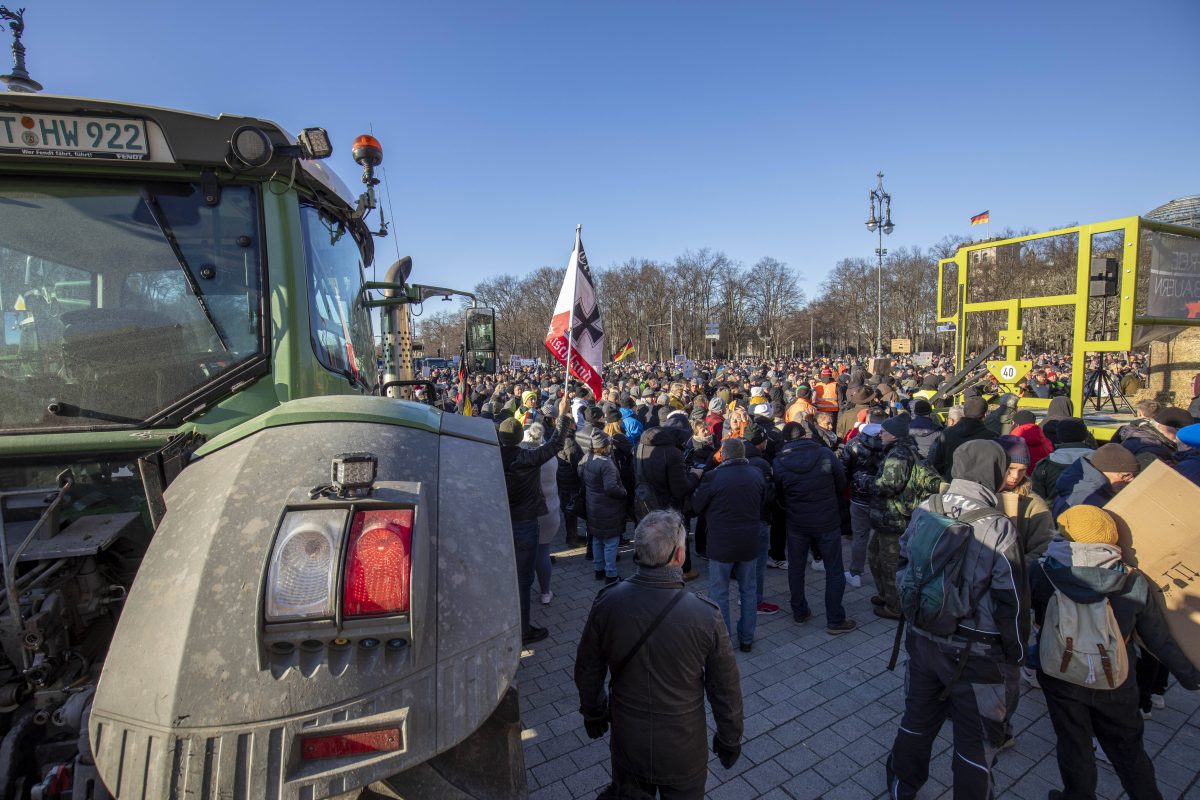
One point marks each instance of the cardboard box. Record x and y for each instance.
(1158, 522)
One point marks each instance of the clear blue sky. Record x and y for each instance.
(752, 127)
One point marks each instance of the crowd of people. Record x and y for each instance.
(979, 523)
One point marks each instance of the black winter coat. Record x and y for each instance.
(660, 466)
(864, 454)
(965, 430)
(809, 483)
(605, 496)
(570, 487)
(657, 704)
(925, 432)
(522, 475)
(732, 499)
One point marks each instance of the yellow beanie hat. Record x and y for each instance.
(1088, 525)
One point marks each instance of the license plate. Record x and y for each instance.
(33, 134)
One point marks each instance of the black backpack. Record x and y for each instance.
(933, 594)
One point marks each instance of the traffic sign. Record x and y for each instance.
(1009, 372)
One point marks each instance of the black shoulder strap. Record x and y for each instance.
(620, 666)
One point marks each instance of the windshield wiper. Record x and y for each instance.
(60, 409)
(164, 227)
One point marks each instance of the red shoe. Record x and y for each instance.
(767, 609)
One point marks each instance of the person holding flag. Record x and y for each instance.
(576, 334)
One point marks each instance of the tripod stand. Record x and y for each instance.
(1099, 379)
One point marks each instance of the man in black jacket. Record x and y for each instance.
(732, 498)
(659, 737)
(664, 482)
(809, 484)
(522, 478)
(969, 428)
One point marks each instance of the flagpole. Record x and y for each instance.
(571, 315)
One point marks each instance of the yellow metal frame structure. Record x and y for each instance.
(1012, 337)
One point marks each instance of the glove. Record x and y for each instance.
(727, 755)
(595, 727)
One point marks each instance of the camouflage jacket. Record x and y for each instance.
(903, 481)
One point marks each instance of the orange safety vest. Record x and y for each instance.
(798, 407)
(825, 397)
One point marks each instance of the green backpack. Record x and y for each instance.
(933, 594)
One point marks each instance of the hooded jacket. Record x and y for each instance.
(925, 432)
(862, 454)
(1091, 573)
(1039, 445)
(1147, 444)
(893, 495)
(1035, 524)
(1082, 484)
(992, 563)
(660, 467)
(632, 425)
(1044, 478)
(965, 430)
(732, 498)
(605, 496)
(809, 483)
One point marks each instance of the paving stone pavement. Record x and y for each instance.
(820, 711)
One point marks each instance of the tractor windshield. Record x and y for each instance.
(122, 299)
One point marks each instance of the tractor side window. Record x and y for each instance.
(340, 327)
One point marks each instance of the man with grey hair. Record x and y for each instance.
(666, 649)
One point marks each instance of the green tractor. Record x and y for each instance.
(235, 563)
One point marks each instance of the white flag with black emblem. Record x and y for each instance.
(578, 314)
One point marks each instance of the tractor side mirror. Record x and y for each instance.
(481, 340)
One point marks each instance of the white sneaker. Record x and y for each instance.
(819, 566)
(777, 563)
(1029, 677)
(547, 597)
(1158, 701)
(1098, 751)
(854, 580)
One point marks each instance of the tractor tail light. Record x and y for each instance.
(378, 563)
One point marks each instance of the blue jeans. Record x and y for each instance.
(719, 575)
(764, 544)
(525, 544)
(605, 557)
(829, 545)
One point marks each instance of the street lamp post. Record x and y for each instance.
(18, 80)
(881, 220)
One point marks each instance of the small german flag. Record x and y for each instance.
(626, 351)
(980, 219)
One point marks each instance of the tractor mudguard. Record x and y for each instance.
(193, 702)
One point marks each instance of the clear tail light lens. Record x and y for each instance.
(378, 563)
(300, 579)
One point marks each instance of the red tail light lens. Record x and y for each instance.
(378, 563)
(350, 744)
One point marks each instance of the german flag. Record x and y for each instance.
(626, 351)
(980, 219)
